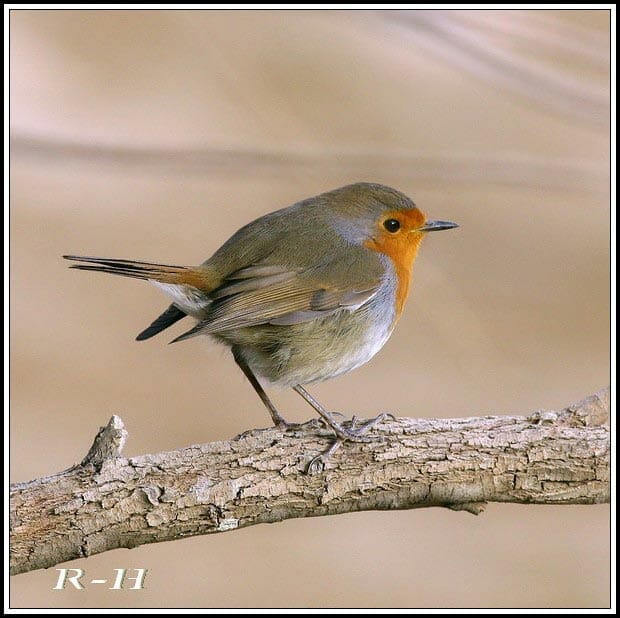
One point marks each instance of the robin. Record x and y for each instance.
(300, 295)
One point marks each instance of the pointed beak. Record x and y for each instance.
(435, 226)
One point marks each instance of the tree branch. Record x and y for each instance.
(261, 476)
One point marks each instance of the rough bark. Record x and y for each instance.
(262, 476)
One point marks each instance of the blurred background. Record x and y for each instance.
(155, 134)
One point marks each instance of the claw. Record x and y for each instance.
(286, 426)
(317, 464)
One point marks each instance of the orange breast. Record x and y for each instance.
(402, 249)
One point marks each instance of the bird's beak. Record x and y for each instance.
(435, 226)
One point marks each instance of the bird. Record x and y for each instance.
(300, 295)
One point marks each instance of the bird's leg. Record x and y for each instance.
(278, 419)
(353, 435)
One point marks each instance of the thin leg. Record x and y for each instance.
(354, 435)
(278, 419)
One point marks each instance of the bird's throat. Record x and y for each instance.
(402, 253)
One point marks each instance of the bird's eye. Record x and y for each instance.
(392, 225)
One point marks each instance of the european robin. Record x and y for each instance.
(302, 294)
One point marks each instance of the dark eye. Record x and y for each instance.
(392, 225)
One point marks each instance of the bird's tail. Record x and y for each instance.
(160, 273)
(187, 286)
(129, 268)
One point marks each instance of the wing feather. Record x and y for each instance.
(272, 294)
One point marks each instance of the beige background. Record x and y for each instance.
(193, 123)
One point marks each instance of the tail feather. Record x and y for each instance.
(169, 317)
(188, 287)
(163, 273)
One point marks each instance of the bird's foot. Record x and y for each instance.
(287, 426)
(313, 424)
(350, 434)
(353, 433)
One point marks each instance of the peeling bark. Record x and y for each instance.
(261, 476)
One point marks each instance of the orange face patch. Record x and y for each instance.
(400, 246)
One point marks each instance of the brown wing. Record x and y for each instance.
(270, 294)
